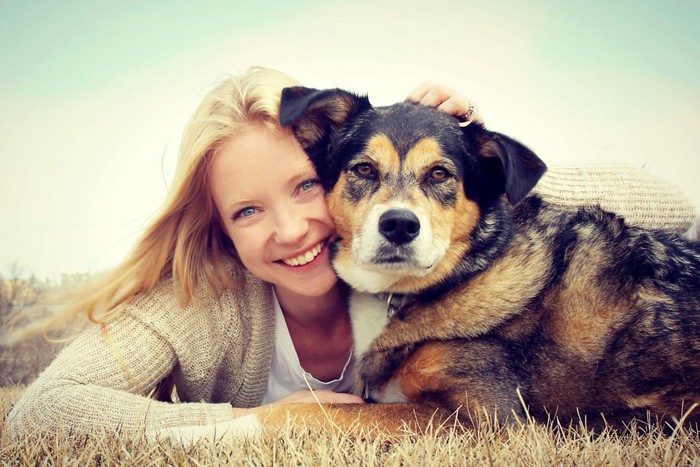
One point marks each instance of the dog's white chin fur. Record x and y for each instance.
(364, 280)
(375, 278)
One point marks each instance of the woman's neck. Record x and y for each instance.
(314, 310)
(320, 330)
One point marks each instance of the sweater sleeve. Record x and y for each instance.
(625, 189)
(100, 382)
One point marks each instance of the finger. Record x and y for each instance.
(326, 396)
(418, 93)
(341, 398)
(437, 95)
(461, 107)
(352, 399)
(455, 105)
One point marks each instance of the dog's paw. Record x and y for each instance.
(376, 367)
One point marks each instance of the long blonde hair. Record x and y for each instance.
(184, 241)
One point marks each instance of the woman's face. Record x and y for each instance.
(272, 206)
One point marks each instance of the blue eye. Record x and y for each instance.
(245, 212)
(308, 185)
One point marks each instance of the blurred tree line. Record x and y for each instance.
(18, 292)
(23, 298)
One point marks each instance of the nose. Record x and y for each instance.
(399, 226)
(290, 226)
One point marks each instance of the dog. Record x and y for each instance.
(473, 296)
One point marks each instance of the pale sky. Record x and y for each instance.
(95, 93)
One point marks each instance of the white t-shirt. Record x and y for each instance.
(287, 374)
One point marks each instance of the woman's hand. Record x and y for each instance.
(322, 396)
(446, 99)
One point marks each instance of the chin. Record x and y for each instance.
(320, 288)
(311, 287)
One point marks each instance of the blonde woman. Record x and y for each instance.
(229, 295)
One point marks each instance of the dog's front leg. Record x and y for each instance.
(471, 376)
(375, 368)
(362, 420)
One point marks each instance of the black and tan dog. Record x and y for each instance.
(473, 296)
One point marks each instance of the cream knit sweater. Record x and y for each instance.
(218, 351)
(628, 190)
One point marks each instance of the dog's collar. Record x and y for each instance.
(394, 303)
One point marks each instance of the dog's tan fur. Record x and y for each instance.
(360, 419)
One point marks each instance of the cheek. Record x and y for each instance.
(465, 216)
(323, 213)
(248, 244)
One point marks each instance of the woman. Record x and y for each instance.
(229, 295)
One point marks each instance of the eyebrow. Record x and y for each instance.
(234, 207)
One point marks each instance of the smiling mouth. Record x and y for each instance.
(304, 258)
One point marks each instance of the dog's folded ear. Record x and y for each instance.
(317, 116)
(509, 166)
(317, 119)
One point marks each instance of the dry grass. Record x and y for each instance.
(526, 445)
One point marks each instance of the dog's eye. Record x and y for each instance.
(439, 173)
(364, 170)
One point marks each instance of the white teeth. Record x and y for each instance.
(304, 258)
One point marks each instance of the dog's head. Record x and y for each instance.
(406, 185)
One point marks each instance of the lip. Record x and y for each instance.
(321, 249)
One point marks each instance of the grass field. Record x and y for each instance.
(522, 445)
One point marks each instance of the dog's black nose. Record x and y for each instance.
(399, 226)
